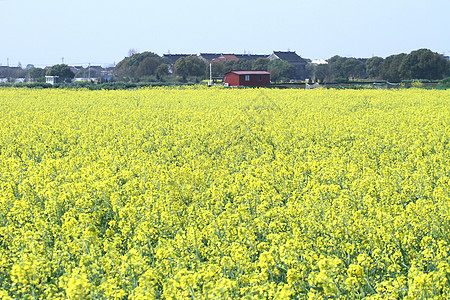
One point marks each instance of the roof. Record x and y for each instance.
(250, 56)
(227, 57)
(174, 57)
(249, 72)
(210, 56)
(289, 56)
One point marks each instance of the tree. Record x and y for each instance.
(374, 67)
(322, 73)
(218, 68)
(242, 64)
(424, 64)
(161, 71)
(261, 64)
(126, 69)
(148, 66)
(354, 68)
(391, 68)
(190, 66)
(335, 64)
(36, 74)
(63, 71)
(88, 73)
(281, 70)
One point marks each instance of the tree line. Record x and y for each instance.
(150, 67)
(33, 74)
(419, 64)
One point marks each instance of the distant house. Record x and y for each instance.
(247, 78)
(293, 59)
(250, 56)
(51, 79)
(227, 57)
(209, 57)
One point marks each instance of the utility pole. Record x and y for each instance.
(7, 61)
(62, 60)
(89, 71)
(210, 75)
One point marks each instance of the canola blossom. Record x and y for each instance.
(197, 193)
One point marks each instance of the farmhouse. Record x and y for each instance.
(293, 59)
(247, 78)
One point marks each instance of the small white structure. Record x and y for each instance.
(51, 79)
(319, 62)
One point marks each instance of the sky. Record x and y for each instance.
(101, 32)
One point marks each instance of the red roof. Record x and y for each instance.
(227, 57)
(249, 72)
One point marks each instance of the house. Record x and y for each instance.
(294, 60)
(226, 57)
(250, 56)
(51, 79)
(247, 78)
(209, 57)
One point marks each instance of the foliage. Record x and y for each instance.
(190, 66)
(63, 71)
(161, 71)
(137, 65)
(322, 73)
(424, 64)
(374, 67)
(37, 74)
(345, 67)
(242, 64)
(224, 194)
(148, 66)
(281, 70)
(445, 82)
(260, 64)
(88, 73)
(391, 70)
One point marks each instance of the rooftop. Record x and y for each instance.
(250, 72)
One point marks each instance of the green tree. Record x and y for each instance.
(218, 69)
(190, 66)
(374, 67)
(354, 68)
(161, 71)
(424, 64)
(322, 73)
(126, 69)
(63, 71)
(261, 64)
(36, 74)
(281, 70)
(148, 66)
(335, 64)
(391, 68)
(242, 64)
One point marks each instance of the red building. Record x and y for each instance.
(247, 78)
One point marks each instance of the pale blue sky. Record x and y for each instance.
(102, 32)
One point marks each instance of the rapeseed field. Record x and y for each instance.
(197, 193)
